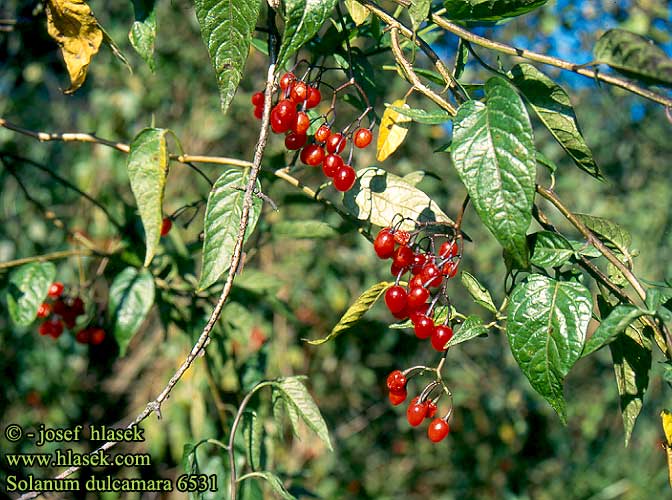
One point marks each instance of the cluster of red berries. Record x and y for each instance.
(420, 408)
(429, 271)
(63, 313)
(288, 116)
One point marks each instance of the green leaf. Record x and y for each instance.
(378, 196)
(421, 116)
(610, 232)
(549, 249)
(355, 312)
(130, 299)
(28, 287)
(551, 103)
(227, 27)
(419, 10)
(490, 10)
(147, 167)
(222, 222)
(143, 30)
(471, 328)
(304, 229)
(357, 11)
(479, 293)
(493, 152)
(299, 399)
(635, 56)
(546, 327)
(303, 18)
(275, 483)
(610, 327)
(253, 436)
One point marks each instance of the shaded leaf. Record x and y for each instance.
(493, 152)
(143, 30)
(546, 327)
(131, 297)
(610, 232)
(634, 56)
(299, 399)
(491, 10)
(76, 31)
(472, 327)
(28, 287)
(357, 11)
(355, 312)
(479, 293)
(303, 19)
(275, 483)
(419, 10)
(147, 166)
(392, 132)
(378, 196)
(610, 327)
(227, 27)
(549, 249)
(551, 103)
(421, 116)
(252, 434)
(222, 222)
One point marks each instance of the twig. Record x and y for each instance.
(43, 258)
(155, 405)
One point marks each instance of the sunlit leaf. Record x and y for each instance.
(489, 10)
(357, 11)
(549, 249)
(610, 327)
(392, 132)
(419, 10)
(436, 117)
(143, 30)
(610, 232)
(478, 292)
(472, 327)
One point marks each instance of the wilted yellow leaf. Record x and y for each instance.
(74, 27)
(357, 11)
(390, 133)
(666, 417)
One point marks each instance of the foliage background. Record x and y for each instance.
(506, 443)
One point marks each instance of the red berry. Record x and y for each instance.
(314, 97)
(78, 306)
(60, 307)
(438, 430)
(449, 269)
(416, 282)
(395, 298)
(258, 99)
(402, 237)
(259, 112)
(431, 275)
(97, 336)
(431, 409)
(166, 225)
(83, 336)
(417, 296)
(286, 80)
(403, 256)
(322, 133)
(415, 413)
(55, 290)
(345, 178)
(396, 398)
(414, 314)
(384, 243)
(302, 123)
(331, 164)
(278, 125)
(295, 141)
(448, 249)
(403, 314)
(396, 381)
(286, 110)
(362, 137)
(44, 328)
(442, 334)
(56, 328)
(69, 317)
(44, 310)
(396, 270)
(299, 92)
(423, 326)
(419, 260)
(312, 155)
(336, 143)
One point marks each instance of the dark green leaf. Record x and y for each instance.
(493, 152)
(303, 18)
(227, 27)
(147, 167)
(491, 10)
(130, 299)
(546, 327)
(551, 103)
(610, 232)
(222, 222)
(461, 58)
(634, 56)
(471, 328)
(419, 10)
(611, 326)
(253, 435)
(143, 30)
(299, 399)
(28, 287)
(378, 196)
(421, 116)
(275, 483)
(355, 312)
(549, 249)
(304, 229)
(479, 293)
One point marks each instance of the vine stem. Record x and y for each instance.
(155, 405)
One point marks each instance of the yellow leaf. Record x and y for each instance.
(357, 11)
(74, 27)
(390, 133)
(666, 417)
